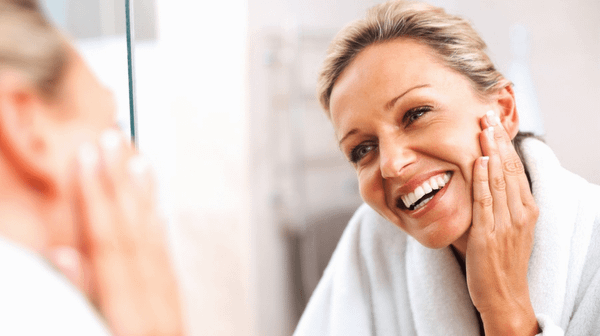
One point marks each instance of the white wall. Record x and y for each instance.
(565, 67)
(196, 122)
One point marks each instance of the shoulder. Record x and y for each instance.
(585, 317)
(37, 300)
(591, 268)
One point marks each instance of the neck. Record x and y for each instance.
(30, 218)
(460, 247)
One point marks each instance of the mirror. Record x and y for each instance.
(105, 32)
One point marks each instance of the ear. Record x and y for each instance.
(22, 141)
(507, 110)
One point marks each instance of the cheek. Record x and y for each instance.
(459, 145)
(372, 189)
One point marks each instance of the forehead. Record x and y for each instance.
(389, 65)
(383, 71)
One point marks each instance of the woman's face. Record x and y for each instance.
(85, 108)
(410, 126)
(88, 108)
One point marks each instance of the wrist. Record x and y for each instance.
(510, 322)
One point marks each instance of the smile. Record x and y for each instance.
(422, 194)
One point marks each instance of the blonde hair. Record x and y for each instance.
(30, 44)
(452, 38)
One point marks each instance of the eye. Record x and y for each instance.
(414, 114)
(360, 151)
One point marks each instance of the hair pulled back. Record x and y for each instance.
(30, 44)
(452, 38)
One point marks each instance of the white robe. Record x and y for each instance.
(380, 281)
(35, 299)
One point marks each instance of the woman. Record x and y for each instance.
(463, 233)
(65, 203)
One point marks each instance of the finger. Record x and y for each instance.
(156, 267)
(115, 157)
(111, 144)
(483, 217)
(99, 232)
(514, 172)
(131, 271)
(141, 178)
(143, 242)
(89, 202)
(497, 182)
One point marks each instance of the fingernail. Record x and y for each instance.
(66, 258)
(484, 161)
(110, 141)
(492, 119)
(490, 130)
(88, 158)
(139, 168)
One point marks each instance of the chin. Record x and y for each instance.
(442, 235)
(435, 243)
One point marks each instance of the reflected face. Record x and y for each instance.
(82, 109)
(410, 126)
(86, 108)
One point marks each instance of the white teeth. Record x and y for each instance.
(412, 198)
(427, 188)
(419, 192)
(434, 183)
(422, 204)
(405, 200)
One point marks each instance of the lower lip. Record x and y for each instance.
(433, 202)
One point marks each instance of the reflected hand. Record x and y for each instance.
(123, 265)
(501, 237)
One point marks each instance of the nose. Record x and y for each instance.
(394, 158)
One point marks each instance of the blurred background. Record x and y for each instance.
(251, 180)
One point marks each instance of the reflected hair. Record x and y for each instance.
(30, 44)
(452, 38)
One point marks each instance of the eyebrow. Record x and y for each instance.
(387, 107)
(392, 102)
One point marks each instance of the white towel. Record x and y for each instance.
(37, 300)
(382, 282)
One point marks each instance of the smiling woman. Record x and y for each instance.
(460, 234)
(420, 122)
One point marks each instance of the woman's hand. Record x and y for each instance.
(501, 237)
(122, 265)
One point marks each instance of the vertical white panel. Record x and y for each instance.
(197, 114)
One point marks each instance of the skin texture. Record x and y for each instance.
(402, 116)
(89, 211)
